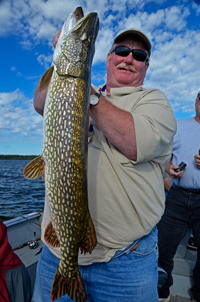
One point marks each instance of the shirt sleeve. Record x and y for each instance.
(155, 126)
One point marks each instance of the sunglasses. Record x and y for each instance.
(124, 51)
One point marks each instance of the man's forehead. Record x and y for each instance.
(130, 41)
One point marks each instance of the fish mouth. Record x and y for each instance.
(67, 76)
(79, 13)
(86, 25)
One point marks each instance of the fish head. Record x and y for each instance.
(69, 23)
(78, 48)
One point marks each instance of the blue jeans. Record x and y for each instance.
(182, 212)
(130, 276)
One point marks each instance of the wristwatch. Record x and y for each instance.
(94, 99)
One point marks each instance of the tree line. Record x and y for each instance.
(6, 156)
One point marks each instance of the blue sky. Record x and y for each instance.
(27, 28)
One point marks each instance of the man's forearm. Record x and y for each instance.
(117, 125)
(167, 183)
(167, 167)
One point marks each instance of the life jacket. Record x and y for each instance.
(8, 260)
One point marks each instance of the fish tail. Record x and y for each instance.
(64, 285)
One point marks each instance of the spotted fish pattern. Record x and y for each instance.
(64, 156)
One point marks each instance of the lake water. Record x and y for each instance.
(17, 193)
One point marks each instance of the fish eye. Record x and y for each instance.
(86, 43)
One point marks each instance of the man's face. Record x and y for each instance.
(125, 71)
(197, 104)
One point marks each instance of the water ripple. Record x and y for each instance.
(20, 195)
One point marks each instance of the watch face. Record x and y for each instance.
(94, 100)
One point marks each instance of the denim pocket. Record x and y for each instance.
(147, 244)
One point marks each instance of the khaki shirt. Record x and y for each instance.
(126, 197)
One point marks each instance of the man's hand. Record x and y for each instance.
(55, 39)
(92, 91)
(197, 160)
(170, 170)
(175, 175)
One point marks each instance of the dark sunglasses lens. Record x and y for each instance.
(139, 55)
(122, 51)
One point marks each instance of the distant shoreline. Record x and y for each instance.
(19, 157)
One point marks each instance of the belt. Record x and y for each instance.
(194, 191)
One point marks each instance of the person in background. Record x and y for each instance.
(15, 282)
(130, 144)
(192, 245)
(162, 275)
(182, 211)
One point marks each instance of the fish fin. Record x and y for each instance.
(90, 240)
(50, 235)
(64, 285)
(34, 169)
(46, 78)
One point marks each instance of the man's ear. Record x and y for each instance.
(146, 65)
(109, 55)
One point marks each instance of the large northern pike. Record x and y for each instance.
(63, 154)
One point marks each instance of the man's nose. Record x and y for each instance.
(129, 58)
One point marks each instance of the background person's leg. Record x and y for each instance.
(171, 230)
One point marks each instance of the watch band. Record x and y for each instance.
(94, 99)
(98, 95)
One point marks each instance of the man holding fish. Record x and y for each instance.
(130, 142)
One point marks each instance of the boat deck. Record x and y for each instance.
(30, 259)
(184, 263)
(20, 231)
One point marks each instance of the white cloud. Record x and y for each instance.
(6, 98)
(45, 60)
(175, 55)
(103, 44)
(41, 19)
(196, 6)
(175, 17)
(13, 68)
(5, 17)
(18, 115)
